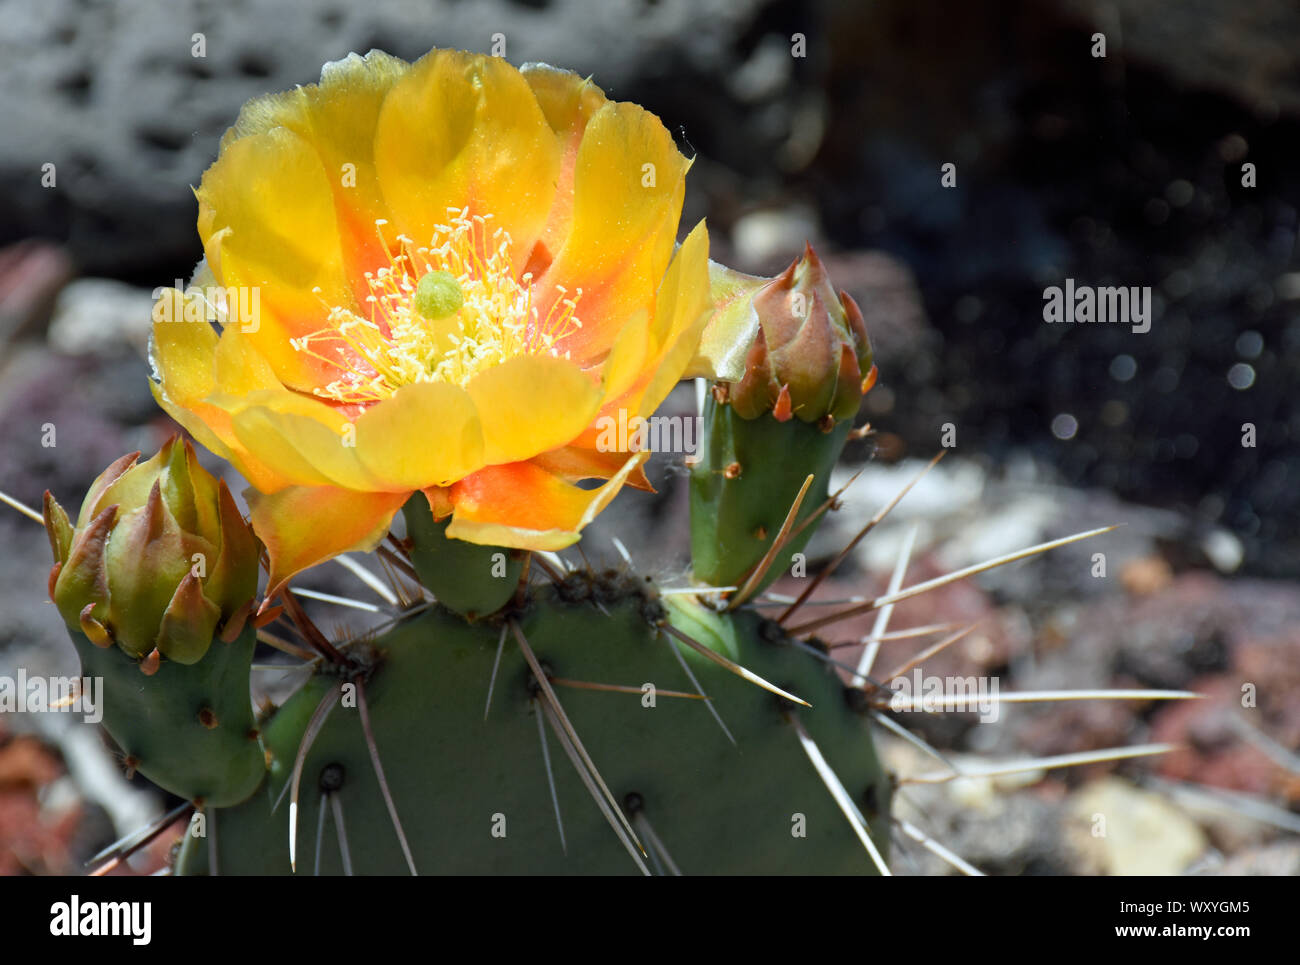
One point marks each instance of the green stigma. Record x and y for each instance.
(438, 295)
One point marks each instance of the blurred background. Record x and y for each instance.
(829, 122)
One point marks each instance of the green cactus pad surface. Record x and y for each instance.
(465, 577)
(189, 729)
(473, 794)
(743, 485)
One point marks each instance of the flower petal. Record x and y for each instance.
(181, 351)
(439, 498)
(427, 434)
(271, 237)
(575, 463)
(337, 117)
(299, 439)
(238, 365)
(568, 101)
(302, 526)
(531, 403)
(627, 359)
(681, 312)
(629, 182)
(524, 506)
(181, 355)
(464, 130)
(190, 361)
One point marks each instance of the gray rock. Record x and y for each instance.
(113, 96)
(1280, 858)
(1247, 52)
(101, 315)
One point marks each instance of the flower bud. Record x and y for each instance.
(791, 361)
(810, 357)
(159, 562)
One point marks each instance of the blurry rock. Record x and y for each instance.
(1224, 550)
(1226, 640)
(766, 240)
(999, 829)
(127, 100)
(1234, 820)
(973, 515)
(1143, 833)
(59, 439)
(1269, 671)
(1281, 858)
(97, 315)
(765, 72)
(1209, 753)
(946, 491)
(1068, 727)
(1248, 52)
(31, 274)
(26, 763)
(33, 839)
(1145, 576)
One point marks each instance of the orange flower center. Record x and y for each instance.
(441, 312)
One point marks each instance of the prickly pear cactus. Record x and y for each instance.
(786, 416)
(451, 335)
(155, 584)
(498, 788)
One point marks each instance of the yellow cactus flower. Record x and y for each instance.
(432, 277)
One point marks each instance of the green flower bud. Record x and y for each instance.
(792, 360)
(160, 559)
(810, 357)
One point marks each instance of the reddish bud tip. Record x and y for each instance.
(870, 380)
(810, 351)
(265, 616)
(783, 411)
(150, 664)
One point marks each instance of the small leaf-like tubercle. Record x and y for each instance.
(58, 528)
(95, 631)
(84, 576)
(116, 470)
(232, 582)
(188, 624)
(150, 664)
